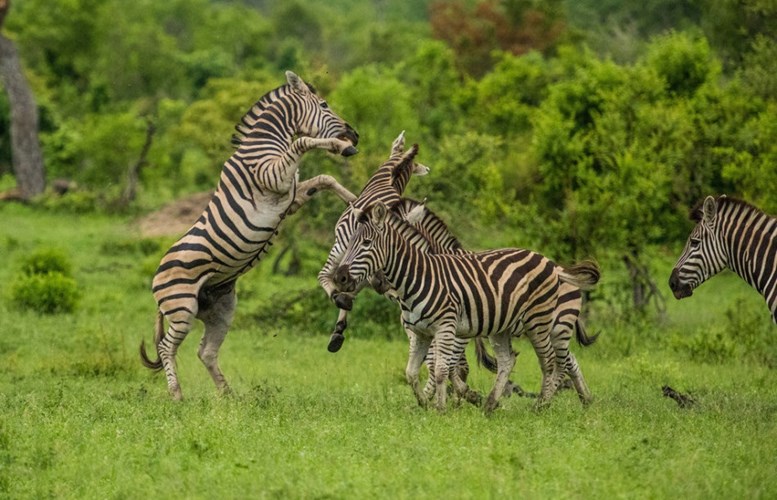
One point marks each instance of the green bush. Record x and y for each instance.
(47, 261)
(48, 293)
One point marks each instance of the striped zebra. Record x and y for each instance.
(729, 233)
(498, 294)
(386, 185)
(259, 186)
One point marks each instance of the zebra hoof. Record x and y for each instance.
(335, 342)
(343, 301)
(349, 151)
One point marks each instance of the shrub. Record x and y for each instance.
(48, 293)
(47, 261)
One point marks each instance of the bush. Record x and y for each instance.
(45, 284)
(47, 261)
(48, 293)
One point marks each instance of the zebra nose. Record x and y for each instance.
(674, 280)
(342, 275)
(351, 134)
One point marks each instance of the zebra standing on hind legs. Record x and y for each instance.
(729, 233)
(498, 294)
(259, 186)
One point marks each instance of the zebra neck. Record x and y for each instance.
(750, 239)
(404, 259)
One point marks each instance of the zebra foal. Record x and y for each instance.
(729, 233)
(498, 294)
(258, 187)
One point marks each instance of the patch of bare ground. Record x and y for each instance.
(175, 218)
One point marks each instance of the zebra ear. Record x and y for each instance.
(359, 216)
(420, 169)
(296, 83)
(415, 215)
(709, 210)
(379, 214)
(399, 144)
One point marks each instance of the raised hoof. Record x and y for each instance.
(349, 151)
(343, 301)
(335, 342)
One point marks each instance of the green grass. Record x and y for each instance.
(80, 417)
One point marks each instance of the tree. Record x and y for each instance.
(25, 147)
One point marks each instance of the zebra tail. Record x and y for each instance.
(582, 336)
(484, 358)
(583, 275)
(159, 332)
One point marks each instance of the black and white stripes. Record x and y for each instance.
(258, 187)
(729, 233)
(498, 294)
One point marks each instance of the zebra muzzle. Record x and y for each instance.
(679, 289)
(349, 151)
(342, 277)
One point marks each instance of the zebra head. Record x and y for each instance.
(315, 118)
(704, 254)
(364, 256)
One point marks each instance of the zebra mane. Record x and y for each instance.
(696, 212)
(408, 232)
(433, 228)
(245, 126)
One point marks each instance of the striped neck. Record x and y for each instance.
(749, 237)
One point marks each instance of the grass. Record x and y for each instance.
(80, 418)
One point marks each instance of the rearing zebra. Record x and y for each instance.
(729, 233)
(499, 294)
(257, 189)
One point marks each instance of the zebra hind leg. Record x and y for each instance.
(180, 324)
(217, 316)
(505, 361)
(419, 345)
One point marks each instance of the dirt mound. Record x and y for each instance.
(174, 218)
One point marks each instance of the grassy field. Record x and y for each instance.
(80, 417)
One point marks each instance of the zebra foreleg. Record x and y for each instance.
(217, 317)
(308, 188)
(419, 345)
(505, 360)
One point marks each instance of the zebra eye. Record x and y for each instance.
(695, 242)
(324, 105)
(366, 243)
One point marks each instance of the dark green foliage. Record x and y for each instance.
(47, 261)
(49, 293)
(45, 283)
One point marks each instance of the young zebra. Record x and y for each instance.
(257, 189)
(498, 294)
(729, 233)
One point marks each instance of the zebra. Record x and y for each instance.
(259, 186)
(387, 184)
(729, 233)
(498, 294)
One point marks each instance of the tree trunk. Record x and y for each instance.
(25, 148)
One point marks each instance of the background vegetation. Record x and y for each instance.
(577, 128)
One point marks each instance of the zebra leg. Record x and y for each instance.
(306, 189)
(573, 370)
(338, 335)
(217, 317)
(180, 323)
(505, 361)
(543, 347)
(419, 345)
